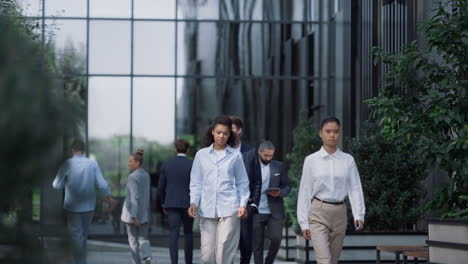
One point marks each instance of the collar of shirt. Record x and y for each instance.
(181, 155)
(228, 149)
(262, 165)
(324, 154)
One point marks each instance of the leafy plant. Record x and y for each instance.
(306, 141)
(423, 103)
(35, 115)
(462, 212)
(391, 180)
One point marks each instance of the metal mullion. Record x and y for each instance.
(196, 76)
(178, 20)
(87, 78)
(176, 39)
(131, 75)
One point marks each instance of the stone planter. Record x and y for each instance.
(448, 241)
(360, 246)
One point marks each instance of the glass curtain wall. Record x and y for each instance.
(151, 71)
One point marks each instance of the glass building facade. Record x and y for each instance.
(151, 71)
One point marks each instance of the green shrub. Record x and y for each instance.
(391, 181)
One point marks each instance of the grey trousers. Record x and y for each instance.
(78, 226)
(138, 241)
(219, 239)
(273, 227)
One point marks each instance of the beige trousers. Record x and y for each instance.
(327, 228)
(219, 239)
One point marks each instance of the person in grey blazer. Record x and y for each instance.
(275, 186)
(174, 194)
(135, 211)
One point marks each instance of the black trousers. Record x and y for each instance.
(245, 243)
(176, 217)
(273, 227)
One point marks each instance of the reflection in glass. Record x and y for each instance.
(239, 49)
(60, 8)
(242, 10)
(155, 8)
(68, 37)
(153, 119)
(109, 47)
(206, 9)
(197, 105)
(110, 8)
(197, 46)
(154, 48)
(30, 7)
(109, 143)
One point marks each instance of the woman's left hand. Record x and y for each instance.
(359, 225)
(242, 212)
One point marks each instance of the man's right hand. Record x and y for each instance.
(192, 211)
(306, 234)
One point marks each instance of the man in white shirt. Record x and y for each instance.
(328, 176)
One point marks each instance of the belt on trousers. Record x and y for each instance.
(334, 203)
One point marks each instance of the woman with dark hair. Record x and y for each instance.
(219, 190)
(136, 209)
(328, 176)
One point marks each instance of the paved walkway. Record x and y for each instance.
(114, 253)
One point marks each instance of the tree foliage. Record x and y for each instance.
(423, 103)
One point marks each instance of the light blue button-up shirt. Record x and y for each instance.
(263, 207)
(218, 187)
(80, 176)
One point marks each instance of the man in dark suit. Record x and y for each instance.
(255, 185)
(237, 127)
(275, 186)
(174, 193)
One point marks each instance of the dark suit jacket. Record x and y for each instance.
(245, 148)
(174, 183)
(278, 179)
(255, 179)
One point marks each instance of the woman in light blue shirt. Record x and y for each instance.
(219, 190)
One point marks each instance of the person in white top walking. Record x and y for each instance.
(328, 176)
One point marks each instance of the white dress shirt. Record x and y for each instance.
(218, 186)
(329, 177)
(263, 207)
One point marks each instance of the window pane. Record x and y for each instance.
(110, 8)
(69, 40)
(109, 48)
(240, 49)
(75, 8)
(154, 48)
(207, 9)
(155, 8)
(109, 140)
(242, 9)
(197, 48)
(30, 7)
(153, 109)
(153, 119)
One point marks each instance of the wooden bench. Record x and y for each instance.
(416, 254)
(398, 250)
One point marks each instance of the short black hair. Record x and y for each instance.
(181, 146)
(78, 145)
(330, 119)
(237, 121)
